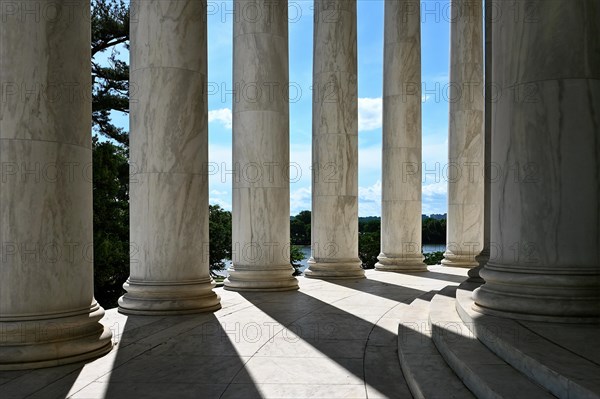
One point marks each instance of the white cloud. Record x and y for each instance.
(222, 203)
(435, 189)
(370, 113)
(300, 200)
(222, 115)
(369, 200)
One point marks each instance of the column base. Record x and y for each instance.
(404, 264)
(265, 278)
(169, 297)
(482, 259)
(48, 340)
(335, 269)
(571, 295)
(454, 260)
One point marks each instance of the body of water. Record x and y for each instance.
(428, 248)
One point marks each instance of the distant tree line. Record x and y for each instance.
(369, 235)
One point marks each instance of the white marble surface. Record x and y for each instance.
(327, 340)
(401, 188)
(48, 315)
(545, 232)
(465, 225)
(169, 153)
(484, 255)
(261, 188)
(335, 143)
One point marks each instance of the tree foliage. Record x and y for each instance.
(110, 28)
(296, 257)
(300, 228)
(434, 231)
(111, 221)
(110, 78)
(220, 237)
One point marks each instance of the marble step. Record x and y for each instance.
(564, 358)
(484, 373)
(424, 369)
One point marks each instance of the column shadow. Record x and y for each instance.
(366, 350)
(393, 291)
(175, 357)
(51, 382)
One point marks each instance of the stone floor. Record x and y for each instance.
(327, 340)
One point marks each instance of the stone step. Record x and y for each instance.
(484, 373)
(555, 355)
(424, 369)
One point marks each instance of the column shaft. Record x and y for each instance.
(335, 142)
(401, 195)
(48, 315)
(484, 255)
(261, 188)
(545, 228)
(465, 169)
(169, 153)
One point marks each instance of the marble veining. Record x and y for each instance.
(401, 194)
(335, 143)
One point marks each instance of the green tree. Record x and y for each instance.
(111, 221)
(368, 248)
(434, 231)
(110, 28)
(433, 258)
(296, 256)
(300, 228)
(220, 237)
(304, 217)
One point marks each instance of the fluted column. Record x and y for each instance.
(465, 169)
(335, 143)
(484, 255)
(261, 188)
(169, 153)
(401, 191)
(48, 315)
(545, 216)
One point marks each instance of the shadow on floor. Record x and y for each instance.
(393, 291)
(363, 348)
(52, 382)
(176, 357)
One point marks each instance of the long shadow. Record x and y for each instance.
(175, 357)
(445, 277)
(391, 290)
(363, 348)
(51, 382)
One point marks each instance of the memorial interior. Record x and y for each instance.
(513, 311)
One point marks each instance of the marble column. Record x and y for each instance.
(261, 187)
(484, 255)
(401, 195)
(465, 168)
(169, 153)
(335, 142)
(48, 315)
(545, 216)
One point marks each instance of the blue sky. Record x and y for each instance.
(435, 59)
